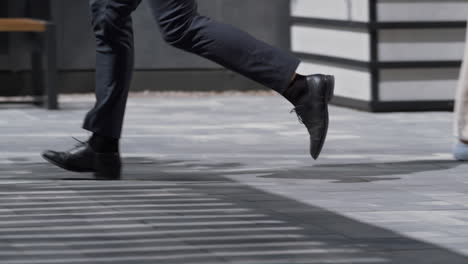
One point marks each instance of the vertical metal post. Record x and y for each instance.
(50, 52)
(37, 75)
(374, 52)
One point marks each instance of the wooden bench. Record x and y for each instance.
(43, 57)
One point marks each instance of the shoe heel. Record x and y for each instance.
(330, 82)
(107, 166)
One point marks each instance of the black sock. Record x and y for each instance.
(296, 91)
(104, 144)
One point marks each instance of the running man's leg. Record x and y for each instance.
(112, 25)
(182, 27)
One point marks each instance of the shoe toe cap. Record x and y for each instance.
(315, 149)
(317, 140)
(50, 155)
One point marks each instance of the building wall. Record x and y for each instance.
(155, 60)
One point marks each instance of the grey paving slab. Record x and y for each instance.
(227, 179)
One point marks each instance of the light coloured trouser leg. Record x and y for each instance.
(461, 105)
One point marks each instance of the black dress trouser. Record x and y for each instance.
(182, 27)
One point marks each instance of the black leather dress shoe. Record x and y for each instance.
(82, 158)
(312, 110)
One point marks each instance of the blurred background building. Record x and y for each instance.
(386, 55)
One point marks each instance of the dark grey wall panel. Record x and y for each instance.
(265, 19)
(75, 39)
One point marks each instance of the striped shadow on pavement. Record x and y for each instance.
(189, 219)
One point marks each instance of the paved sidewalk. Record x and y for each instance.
(227, 179)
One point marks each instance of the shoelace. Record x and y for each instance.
(294, 110)
(79, 144)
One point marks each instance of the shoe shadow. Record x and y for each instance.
(365, 172)
(140, 168)
(195, 170)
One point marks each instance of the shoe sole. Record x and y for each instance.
(97, 175)
(105, 177)
(330, 83)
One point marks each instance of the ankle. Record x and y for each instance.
(296, 90)
(102, 144)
